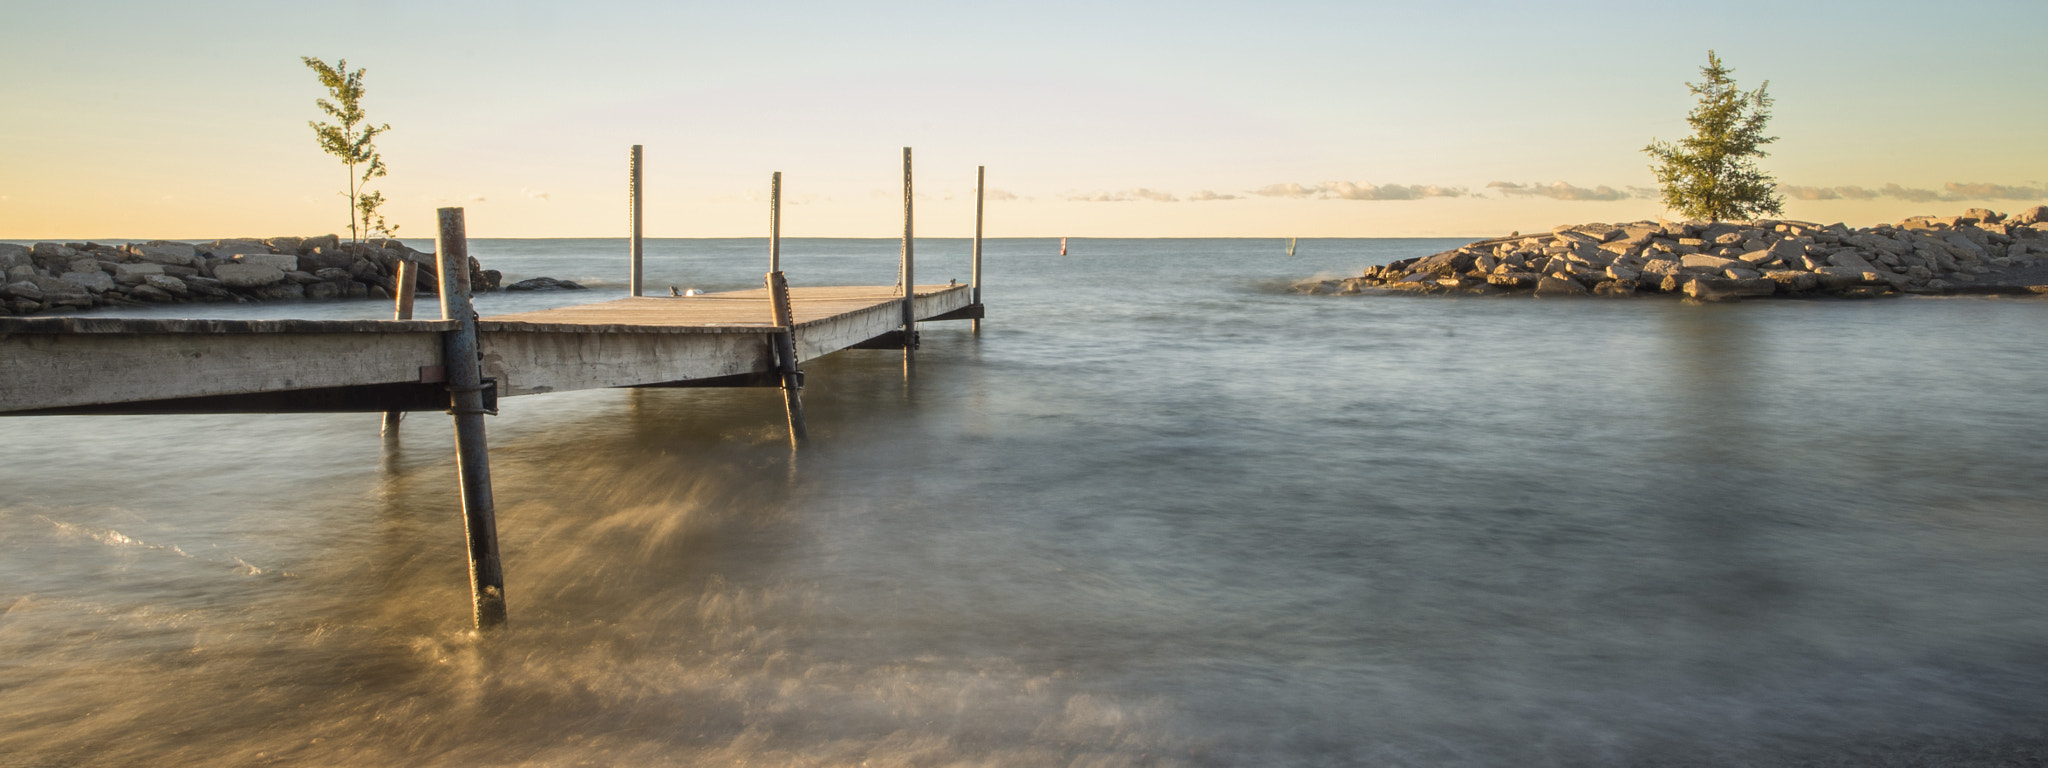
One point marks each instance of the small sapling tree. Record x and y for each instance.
(1712, 174)
(354, 141)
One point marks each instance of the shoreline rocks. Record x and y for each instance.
(75, 276)
(1979, 252)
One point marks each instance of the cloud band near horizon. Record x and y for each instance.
(1557, 190)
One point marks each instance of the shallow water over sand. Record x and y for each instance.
(1160, 512)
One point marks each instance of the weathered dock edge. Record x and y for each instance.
(137, 366)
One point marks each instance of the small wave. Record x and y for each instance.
(114, 538)
(108, 536)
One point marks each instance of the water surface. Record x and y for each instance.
(1160, 512)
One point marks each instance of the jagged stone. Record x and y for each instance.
(248, 275)
(164, 252)
(12, 255)
(95, 281)
(167, 284)
(551, 284)
(1558, 286)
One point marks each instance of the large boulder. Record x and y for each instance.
(1980, 216)
(1852, 260)
(1700, 262)
(283, 261)
(133, 274)
(281, 290)
(2034, 215)
(325, 258)
(51, 257)
(96, 281)
(1967, 247)
(151, 293)
(12, 255)
(1839, 278)
(1792, 280)
(248, 275)
(1712, 289)
(206, 287)
(1558, 286)
(165, 252)
(167, 284)
(24, 289)
(225, 249)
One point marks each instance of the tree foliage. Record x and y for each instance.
(1712, 174)
(353, 140)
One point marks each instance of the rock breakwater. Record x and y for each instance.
(70, 276)
(1980, 251)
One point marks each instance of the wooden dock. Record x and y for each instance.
(464, 364)
(112, 365)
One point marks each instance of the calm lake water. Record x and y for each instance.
(1161, 512)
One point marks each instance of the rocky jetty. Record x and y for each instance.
(60, 276)
(1980, 251)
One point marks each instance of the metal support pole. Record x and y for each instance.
(405, 284)
(908, 267)
(466, 404)
(974, 278)
(775, 222)
(785, 356)
(637, 215)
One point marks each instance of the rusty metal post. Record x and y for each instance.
(784, 341)
(633, 191)
(466, 405)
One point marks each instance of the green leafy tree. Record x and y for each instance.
(354, 141)
(1712, 174)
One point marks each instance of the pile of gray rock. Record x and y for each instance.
(60, 276)
(1980, 251)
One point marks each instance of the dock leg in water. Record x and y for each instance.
(907, 270)
(785, 357)
(466, 405)
(974, 278)
(404, 283)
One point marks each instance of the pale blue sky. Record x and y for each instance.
(188, 120)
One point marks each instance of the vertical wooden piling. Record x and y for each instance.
(404, 285)
(775, 222)
(785, 356)
(466, 405)
(974, 277)
(637, 215)
(908, 267)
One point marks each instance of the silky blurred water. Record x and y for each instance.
(1161, 511)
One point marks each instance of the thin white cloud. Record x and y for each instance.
(1951, 192)
(1125, 196)
(1559, 190)
(1210, 195)
(1347, 190)
(997, 194)
(1284, 190)
(534, 194)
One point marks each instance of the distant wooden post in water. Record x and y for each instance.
(466, 405)
(638, 216)
(908, 271)
(405, 286)
(974, 277)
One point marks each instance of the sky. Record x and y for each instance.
(125, 119)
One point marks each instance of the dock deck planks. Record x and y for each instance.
(75, 364)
